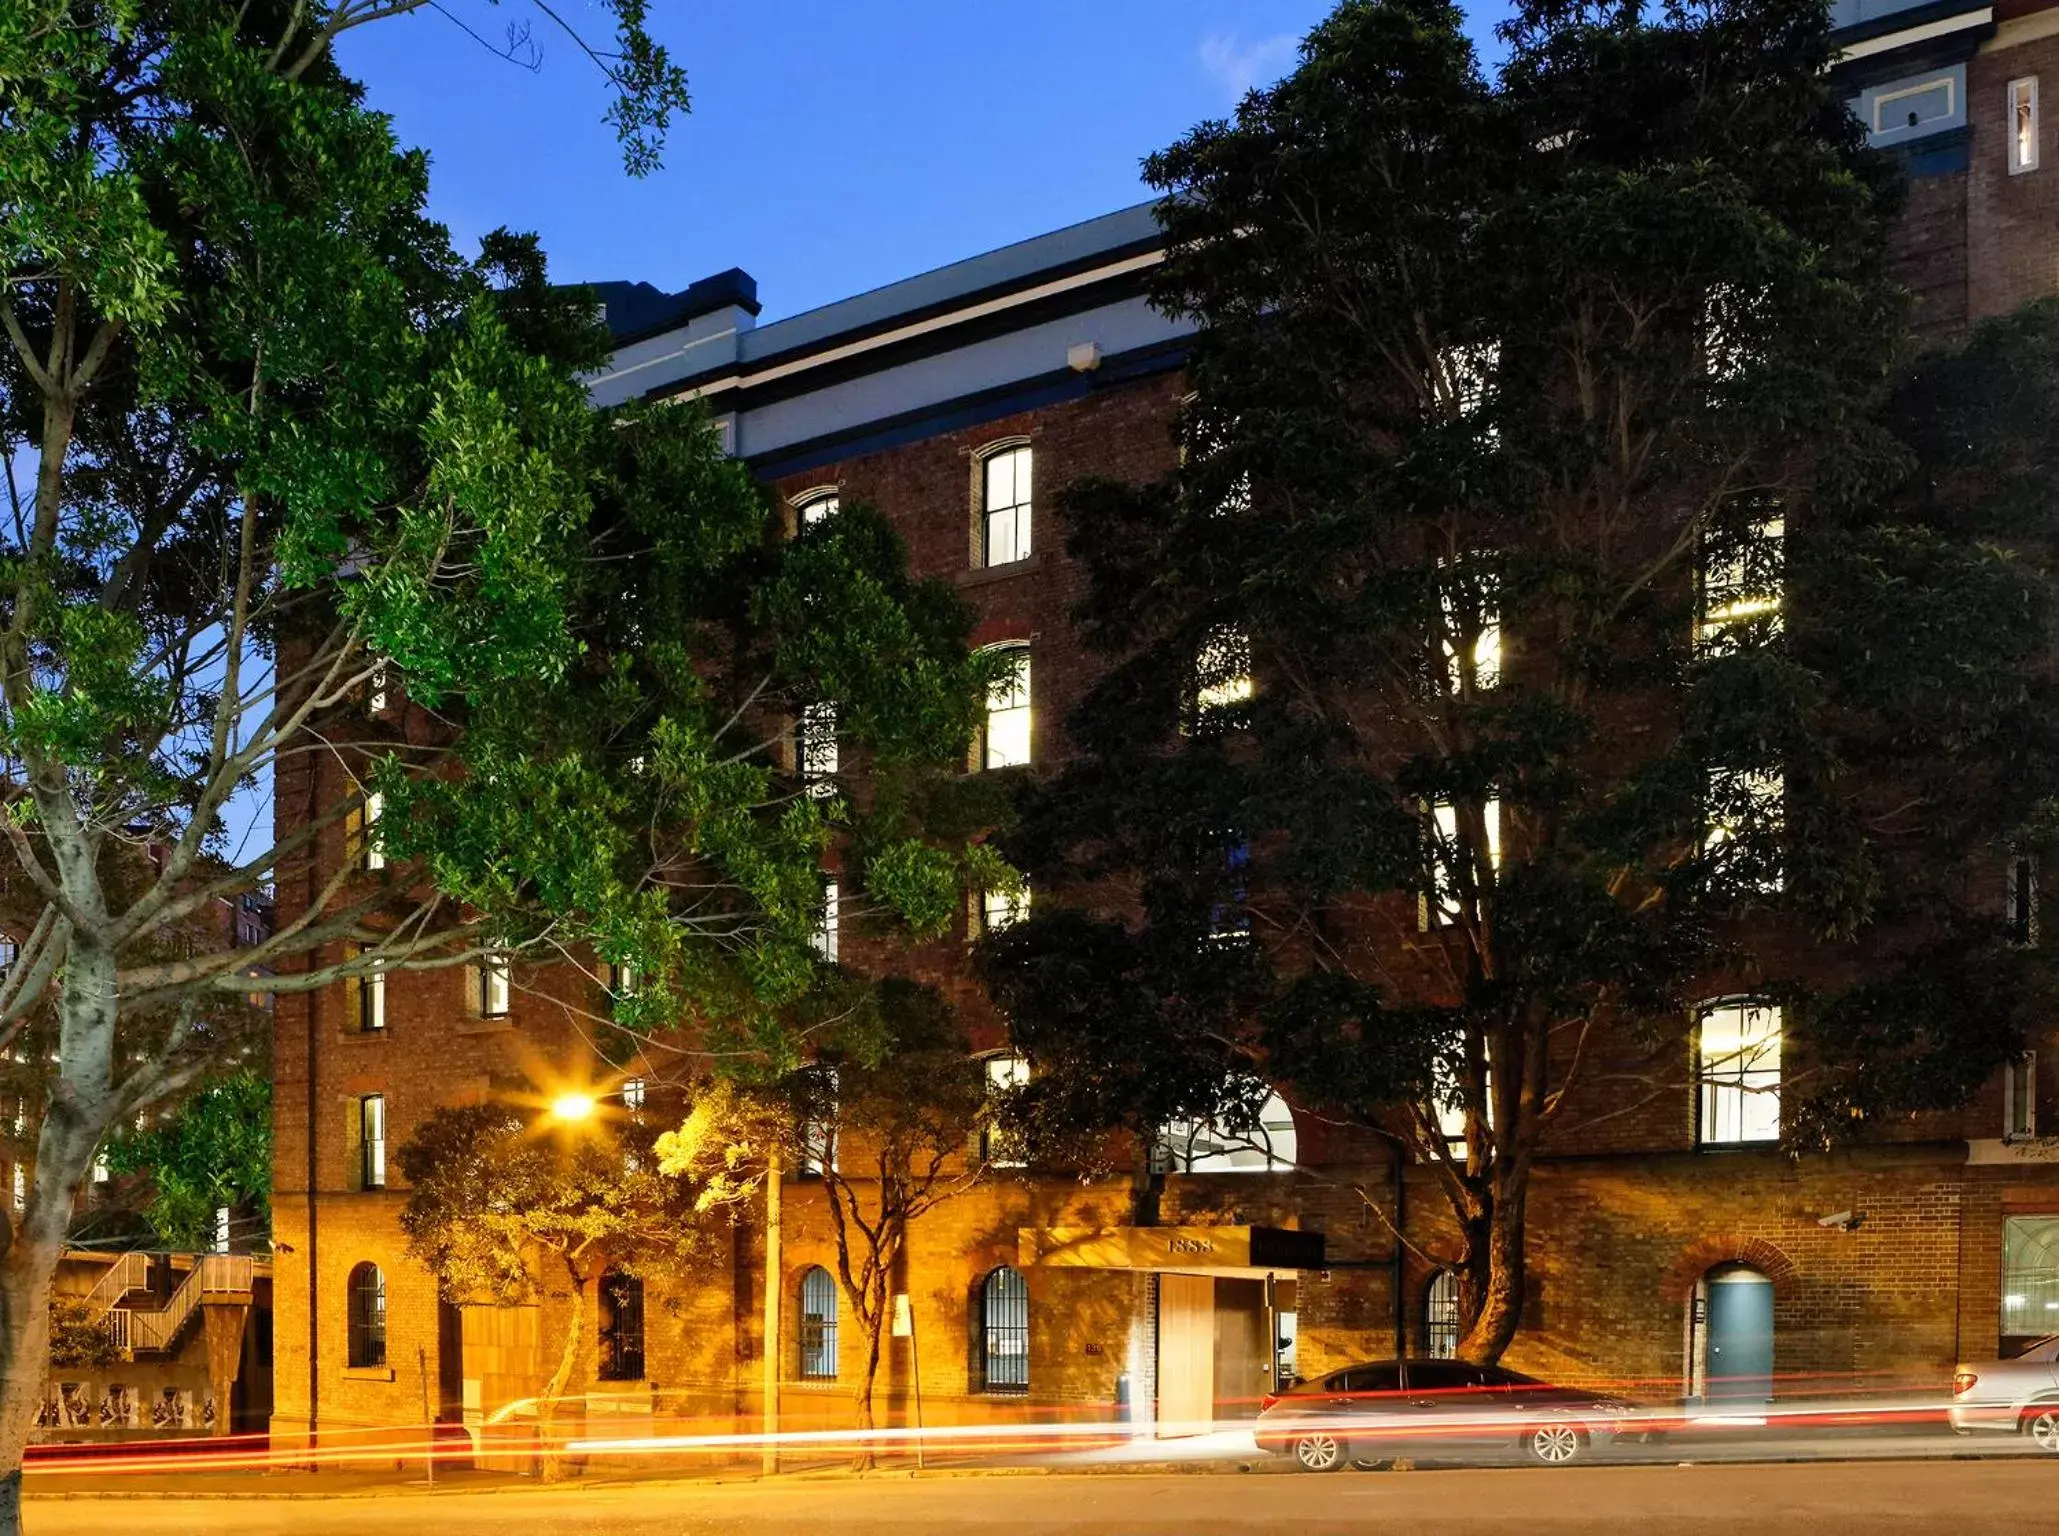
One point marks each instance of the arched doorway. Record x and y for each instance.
(1731, 1352)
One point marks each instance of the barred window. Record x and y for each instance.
(1004, 1331)
(1440, 1316)
(818, 1325)
(621, 1327)
(366, 1302)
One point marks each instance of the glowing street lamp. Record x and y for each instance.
(571, 1107)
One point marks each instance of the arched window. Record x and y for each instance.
(1202, 1146)
(621, 1327)
(813, 507)
(818, 1325)
(367, 1308)
(1004, 1331)
(1440, 1316)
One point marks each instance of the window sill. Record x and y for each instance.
(981, 575)
(1769, 1142)
(359, 1036)
(368, 1373)
(472, 1024)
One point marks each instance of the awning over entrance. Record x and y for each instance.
(1176, 1250)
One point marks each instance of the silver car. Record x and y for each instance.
(2018, 1395)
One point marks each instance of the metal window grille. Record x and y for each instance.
(1440, 1316)
(372, 1139)
(1005, 506)
(621, 1327)
(367, 1307)
(1004, 1327)
(818, 1326)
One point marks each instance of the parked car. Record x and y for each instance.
(2017, 1395)
(1447, 1406)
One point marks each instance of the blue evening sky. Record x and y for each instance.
(835, 145)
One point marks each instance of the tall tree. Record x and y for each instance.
(891, 1113)
(1531, 644)
(299, 496)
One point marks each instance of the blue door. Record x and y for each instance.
(1740, 1363)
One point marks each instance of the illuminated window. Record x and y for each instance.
(368, 993)
(826, 938)
(1741, 578)
(633, 1092)
(101, 1171)
(621, 1309)
(1738, 1073)
(623, 980)
(1742, 824)
(818, 1325)
(1464, 376)
(1449, 1074)
(1208, 440)
(371, 1138)
(2020, 919)
(818, 1130)
(1002, 909)
(370, 849)
(1440, 1316)
(365, 1295)
(494, 987)
(1005, 740)
(221, 1229)
(2020, 1097)
(815, 749)
(2023, 125)
(1004, 1331)
(1005, 506)
(21, 1186)
(1222, 673)
(1005, 1072)
(1443, 904)
(819, 508)
(9, 953)
(1268, 1145)
(1471, 627)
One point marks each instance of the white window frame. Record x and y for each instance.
(2021, 124)
(496, 987)
(1005, 1071)
(1000, 909)
(1438, 907)
(827, 941)
(634, 1092)
(1737, 1076)
(1922, 87)
(1005, 510)
(371, 1131)
(371, 1003)
(816, 758)
(1273, 1145)
(2020, 1097)
(1009, 708)
(374, 810)
(817, 506)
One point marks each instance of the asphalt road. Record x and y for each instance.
(1948, 1498)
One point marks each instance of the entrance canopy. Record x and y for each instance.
(1253, 1251)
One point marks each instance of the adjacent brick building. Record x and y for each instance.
(956, 402)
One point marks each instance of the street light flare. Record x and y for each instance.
(571, 1106)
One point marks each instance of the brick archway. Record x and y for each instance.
(1707, 1253)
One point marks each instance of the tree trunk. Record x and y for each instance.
(76, 1117)
(550, 1462)
(1492, 1274)
(874, 1315)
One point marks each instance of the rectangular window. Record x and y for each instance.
(1915, 106)
(494, 987)
(1742, 824)
(2021, 914)
(2030, 1280)
(621, 1327)
(1738, 1072)
(1464, 373)
(1000, 909)
(370, 850)
(1006, 740)
(1471, 628)
(2023, 125)
(815, 749)
(633, 1092)
(826, 926)
(1005, 1073)
(2020, 1098)
(1742, 578)
(1442, 904)
(1229, 920)
(818, 1131)
(1005, 507)
(378, 691)
(1222, 674)
(21, 1186)
(1730, 316)
(371, 1129)
(370, 989)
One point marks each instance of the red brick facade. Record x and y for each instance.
(1884, 1260)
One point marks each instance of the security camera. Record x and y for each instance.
(1844, 1221)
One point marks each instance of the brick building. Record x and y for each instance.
(956, 401)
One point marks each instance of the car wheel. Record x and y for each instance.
(2042, 1425)
(1319, 1453)
(1554, 1445)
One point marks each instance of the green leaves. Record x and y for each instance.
(214, 1151)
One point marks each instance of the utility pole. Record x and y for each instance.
(773, 1287)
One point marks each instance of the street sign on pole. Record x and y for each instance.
(904, 1317)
